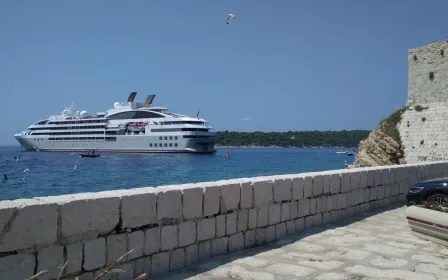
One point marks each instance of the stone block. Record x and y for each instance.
(169, 237)
(297, 185)
(282, 190)
(323, 204)
(260, 236)
(290, 227)
(309, 222)
(404, 187)
(138, 209)
(230, 197)
(26, 224)
(128, 272)
(152, 240)
(160, 263)
(318, 185)
(20, 266)
(169, 204)
(304, 207)
(262, 217)
(370, 177)
(94, 253)
(329, 200)
(187, 233)
(136, 241)
(385, 173)
(285, 212)
(299, 224)
(381, 192)
(249, 238)
(270, 234)
(345, 182)
(363, 179)
(280, 230)
(50, 259)
(221, 225)
(293, 210)
(317, 220)
(177, 259)
(84, 214)
(318, 204)
(252, 218)
(206, 229)
(355, 180)
(335, 183)
(378, 180)
(205, 250)
(308, 186)
(313, 204)
(373, 193)
(326, 182)
(342, 201)
(191, 254)
(247, 194)
(192, 202)
(263, 192)
(211, 200)
(334, 216)
(116, 246)
(392, 175)
(274, 214)
(74, 258)
(231, 223)
(243, 217)
(219, 246)
(366, 195)
(139, 267)
(365, 207)
(326, 218)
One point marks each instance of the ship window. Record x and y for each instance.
(175, 137)
(165, 145)
(135, 115)
(150, 144)
(171, 137)
(160, 138)
(175, 144)
(160, 145)
(171, 144)
(166, 138)
(155, 145)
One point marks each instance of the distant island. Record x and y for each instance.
(300, 139)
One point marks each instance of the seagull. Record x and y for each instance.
(17, 157)
(229, 18)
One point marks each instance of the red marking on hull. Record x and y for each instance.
(428, 223)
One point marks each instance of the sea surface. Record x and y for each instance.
(37, 174)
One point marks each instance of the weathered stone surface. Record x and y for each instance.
(116, 246)
(285, 211)
(138, 209)
(191, 254)
(205, 250)
(290, 227)
(249, 238)
(243, 219)
(270, 234)
(252, 218)
(335, 183)
(326, 218)
(262, 217)
(219, 246)
(177, 259)
(326, 182)
(94, 253)
(318, 185)
(293, 210)
(304, 207)
(211, 200)
(169, 204)
(32, 223)
(231, 223)
(187, 233)
(263, 192)
(282, 189)
(19, 266)
(136, 241)
(236, 242)
(317, 219)
(247, 193)
(160, 263)
(206, 229)
(192, 202)
(297, 188)
(74, 258)
(313, 204)
(169, 237)
(309, 222)
(230, 197)
(355, 180)
(274, 214)
(221, 225)
(50, 259)
(260, 236)
(345, 182)
(152, 240)
(308, 186)
(280, 230)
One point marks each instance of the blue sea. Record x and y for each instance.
(43, 174)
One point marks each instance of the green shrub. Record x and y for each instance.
(390, 124)
(419, 108)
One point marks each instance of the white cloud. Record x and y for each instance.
(246, 119)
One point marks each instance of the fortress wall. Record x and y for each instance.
(424, 133)
(173, 226)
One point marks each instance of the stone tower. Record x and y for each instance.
(424, 125)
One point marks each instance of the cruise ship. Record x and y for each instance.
(132, 127)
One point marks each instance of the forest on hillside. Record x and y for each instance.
(344, 138)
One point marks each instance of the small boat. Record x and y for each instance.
(341, 152)
(90, 154)
(350, 153)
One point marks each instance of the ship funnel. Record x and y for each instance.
(132, 96)
(149, 99)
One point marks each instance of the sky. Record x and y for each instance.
(278, 66)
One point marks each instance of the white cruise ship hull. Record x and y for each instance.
(122, 144)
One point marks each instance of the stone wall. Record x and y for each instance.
(424, 130)
(174, 226)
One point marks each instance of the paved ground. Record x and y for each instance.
(373, 246)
